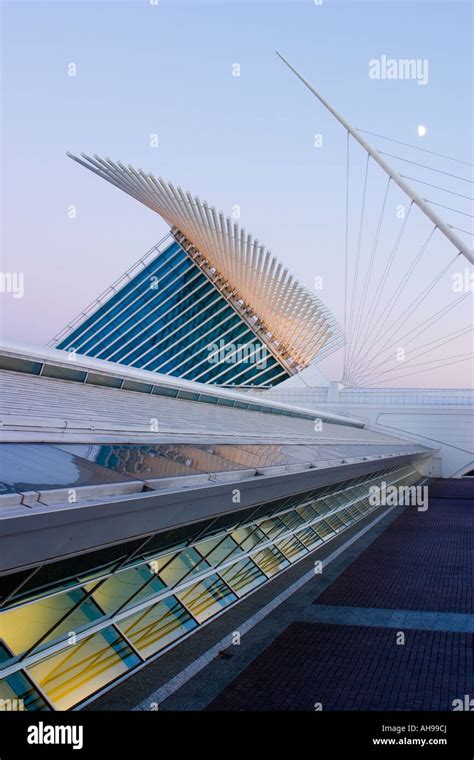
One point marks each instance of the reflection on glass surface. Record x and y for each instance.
(270, 560)
(335, 523)
(309, 538)
(21, 627)
(292, 520)
(242, 577)
(81, 669)
(322, 506)
(323, 529)
(207, 597)
(146, 462)
(206, 459)
(185, 564)
(351, 513)
(156, 627)
(219, 549)
(307, 512)
(40, 466)
(138, 582)
(143, 462)
(17, 693)
(345, 517)
(248, 537)
(291, 548)
(272, 527)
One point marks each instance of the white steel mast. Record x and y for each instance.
(422, 205)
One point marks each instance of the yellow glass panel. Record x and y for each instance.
(21, 627)
(80, 670)
(184, 565)
(323, 529)
(248, 537)
(308, 537)
(216, 550)
(154, 628)
(139, 583)
(270, 560)
(207, 597)
(291, 548)
(242, 577)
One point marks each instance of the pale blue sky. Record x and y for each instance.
(247, 140)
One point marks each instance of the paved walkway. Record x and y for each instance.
(342, 667)
(381, 618)
(423, 562)
(392, 632)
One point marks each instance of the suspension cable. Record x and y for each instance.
(416, 147)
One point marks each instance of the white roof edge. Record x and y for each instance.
(88, 363)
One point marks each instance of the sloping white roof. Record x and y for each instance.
(122, 372)
(49, 407)
(292, 317)
(40, 408)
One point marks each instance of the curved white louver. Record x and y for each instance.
(294, 320)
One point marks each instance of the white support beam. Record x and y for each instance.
(422, 205)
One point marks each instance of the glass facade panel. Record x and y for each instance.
(183, 565)
(292, 520)
(39, 467)
(22, 627)
(156, 627)
(270, 560)
(248, 537)
(171, 329)
(309, 538)
(207, 597)
(307, 512)
(335, 523)
(17, 693)
(323, 530)
(242, 577)
(272, 527)
(291, 547)
(80, 670)
(217, 550)
(126, 587)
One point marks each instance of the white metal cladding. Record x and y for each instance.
(41, 408)
(122, 372)
(295, 322)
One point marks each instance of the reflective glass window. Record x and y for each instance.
(158, 626)
(183, 566)
(219, 549)
(17, 693)
(73, 674)
(248, 537)
(21, 627)
(207, 597)
(270, 560)
(242, 576)
(309, 537)
(272, 527)
(323, 529)
(291, 547)
(127, 587)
